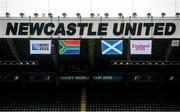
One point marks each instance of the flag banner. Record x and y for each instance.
(111, 47)
(40, 46)
(69, 47)
(141, 47)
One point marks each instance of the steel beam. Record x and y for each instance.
(168, 51)
(13, 49)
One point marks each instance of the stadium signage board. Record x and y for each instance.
(141, 47)
(40, 46)
(90, 28)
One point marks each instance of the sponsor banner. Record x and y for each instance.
(40, 46)
(111, 47)
(141, 47)
(71, 28)
(69, 47)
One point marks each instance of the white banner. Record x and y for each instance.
(89, 27)
(40, 46)
(141, 47)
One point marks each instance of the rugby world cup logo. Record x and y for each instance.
(40, 46)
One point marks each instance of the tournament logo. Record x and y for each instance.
(40, 46)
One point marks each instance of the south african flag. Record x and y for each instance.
(69, 47)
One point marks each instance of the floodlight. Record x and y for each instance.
(134, 14)
(78, 15)
(22, 14)
(177, 14)
(106, 15)
(7, 14)
(64, 14)
(163, 14)
(148, 14)
(50, 15)
(36, 14)
(120, 15)
(92, 15)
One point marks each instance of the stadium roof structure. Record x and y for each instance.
(16, 53)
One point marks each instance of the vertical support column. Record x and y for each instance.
(91, 44)
(128, 56)
(54, 54)
(54, 51)
(91, 49)
(128, 50)
(128, 45)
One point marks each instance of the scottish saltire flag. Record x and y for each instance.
(111, 47)
(69, 47)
